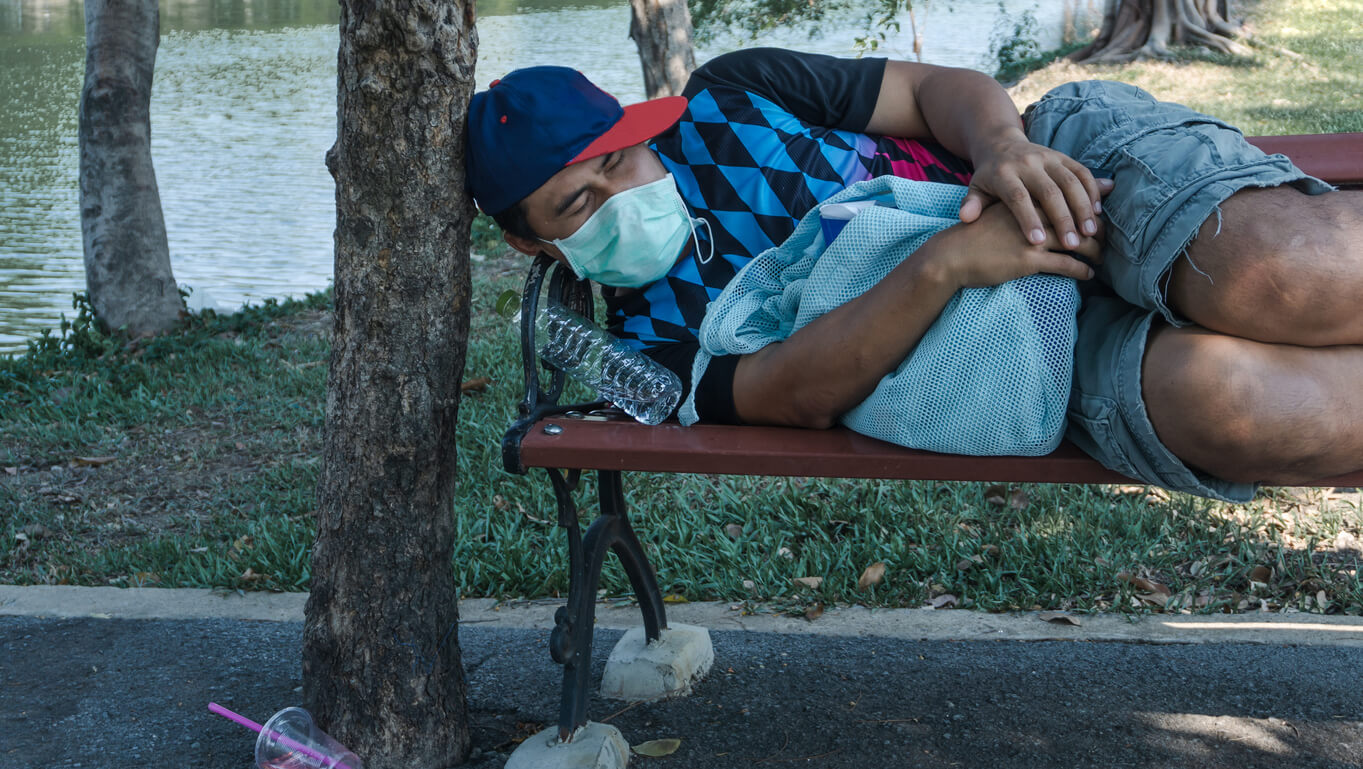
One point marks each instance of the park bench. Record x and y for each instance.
(569, 439)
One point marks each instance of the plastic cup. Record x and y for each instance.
(291, 740)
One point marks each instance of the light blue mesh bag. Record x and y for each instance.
(990, 377)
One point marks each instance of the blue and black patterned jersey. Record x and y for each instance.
(751, 168)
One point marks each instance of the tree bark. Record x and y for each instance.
(127, 258)
(1144, 29)
(662, 31)
(381, 662)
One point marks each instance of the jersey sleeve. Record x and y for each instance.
(819, 89)
(715, 393)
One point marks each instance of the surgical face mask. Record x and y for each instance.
(633, 239)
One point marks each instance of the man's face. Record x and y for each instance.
(559, 206)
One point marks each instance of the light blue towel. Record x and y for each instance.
(990, 377)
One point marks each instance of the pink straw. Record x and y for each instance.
(255, 727)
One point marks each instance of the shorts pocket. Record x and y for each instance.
(1095, 417)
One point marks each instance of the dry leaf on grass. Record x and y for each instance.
(475, 385)
(1141, 583)
(1019, 499)
(872, 576)
(1261, 574)
(943, 601)
(1059, 618)
(11, 471)
(657, 748)
(674, 598)
(734, 531)
(94, 461)
(810, 582)
(996, 495)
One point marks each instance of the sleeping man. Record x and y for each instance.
(1219, 341)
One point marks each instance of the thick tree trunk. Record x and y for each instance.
(381, 663)
(127, 260)
(662, 31)
(1141, 29)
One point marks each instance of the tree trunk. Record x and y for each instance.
(662, 31)
(127, 260)
(1144, 29)
(381, 662)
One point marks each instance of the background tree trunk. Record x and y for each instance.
(381, 663)
(662, 31)
(1136, 29)
(127, 260)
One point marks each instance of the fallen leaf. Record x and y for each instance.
(1196, 568)
(1260, 574)
(1322, 600)
(965, 564)
(11, 471)
(1141, 583)
(814, 612)
(21, 537)
(810, 582)
(475, 385)
(250, 575)
(94, 461)
(872, 576)
(943, 601)
(1059, 618)
(734, 531)
(996, 495)
(675, 598)
(990, 550)
(240, 446)
(1019, 499)
(749, 585)
(37, 531)
(657, 748)
(1154, 599)
(784, 552)
(1101, 561)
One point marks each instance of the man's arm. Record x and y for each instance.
(971, 115)
(835, 362)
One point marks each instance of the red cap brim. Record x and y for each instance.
(641, 122)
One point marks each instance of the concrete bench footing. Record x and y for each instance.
(638, 672)
(594, 746)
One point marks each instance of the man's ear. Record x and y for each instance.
(527, 246)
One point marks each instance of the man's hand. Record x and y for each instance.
(1023, 175)
(990, 250)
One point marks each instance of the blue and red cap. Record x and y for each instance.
(536, 121)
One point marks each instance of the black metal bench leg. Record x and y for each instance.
(631, 553)
(574, 625)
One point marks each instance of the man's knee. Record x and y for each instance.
(1276, 265)
(1205, 397)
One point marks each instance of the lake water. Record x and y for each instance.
(244, 108)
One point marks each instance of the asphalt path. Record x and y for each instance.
(97, 692)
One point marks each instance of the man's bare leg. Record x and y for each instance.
(1248, 411)
(1280, 266)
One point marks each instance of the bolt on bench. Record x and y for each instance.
(567, 439)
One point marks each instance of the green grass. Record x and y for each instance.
(215, 433)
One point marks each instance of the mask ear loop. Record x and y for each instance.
(710, 236)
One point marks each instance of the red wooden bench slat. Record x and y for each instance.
(840, 453)
(835, 453)
(1336, 158)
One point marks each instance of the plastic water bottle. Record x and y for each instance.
(636, 383)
